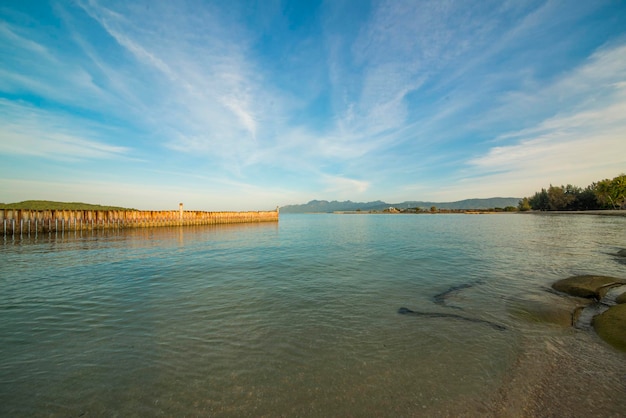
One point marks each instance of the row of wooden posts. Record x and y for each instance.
(20, 221)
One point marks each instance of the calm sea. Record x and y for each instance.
(300, 318)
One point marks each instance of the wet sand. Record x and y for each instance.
(567, 375)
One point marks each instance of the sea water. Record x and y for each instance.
(301, 317)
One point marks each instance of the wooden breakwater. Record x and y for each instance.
(23, 221)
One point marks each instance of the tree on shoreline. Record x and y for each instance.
(612, 192)
(605, 194)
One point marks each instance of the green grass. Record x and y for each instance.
(48, 205)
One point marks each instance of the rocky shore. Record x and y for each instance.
(607, 311)
(568, 373)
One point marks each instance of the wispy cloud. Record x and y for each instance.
(30, 65)
(401, 51)
(344, 187)
(590, 133)
(26, 130)
(341, 100)
(207, 96)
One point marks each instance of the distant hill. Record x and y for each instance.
(320, 206)
(49, 205)
(317, 206)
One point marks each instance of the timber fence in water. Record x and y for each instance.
(22, 221)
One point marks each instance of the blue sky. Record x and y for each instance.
(229, 105)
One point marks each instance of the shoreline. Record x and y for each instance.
(608, 212)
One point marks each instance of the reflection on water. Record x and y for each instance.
(297, 318)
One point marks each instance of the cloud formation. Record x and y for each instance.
(287, 102)
(28, 131)
(584, 140)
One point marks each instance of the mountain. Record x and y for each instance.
(317, 206)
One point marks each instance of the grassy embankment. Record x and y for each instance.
(49, 205)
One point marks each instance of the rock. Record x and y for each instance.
(622, 253)
(611, 326)
(536, 312)
(547, 308)
(588, 286)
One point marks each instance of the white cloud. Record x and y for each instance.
(410, 91)
(33, 67)
(239, 108)
(343, 187)
(150, 195)
(584, 143)
(207, 91)
(26, 130)
(16, 42)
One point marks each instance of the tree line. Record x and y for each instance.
(604, 194)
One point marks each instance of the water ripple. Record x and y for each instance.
(295, 319)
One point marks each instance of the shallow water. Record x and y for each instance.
(300, 318)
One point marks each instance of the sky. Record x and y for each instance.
(249, 105)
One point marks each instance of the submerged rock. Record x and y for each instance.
(407, 311)
(584, 317)
(622, 253)
(587, 286)
(441, 298)
(547, 307)
(608, 315)
(614, 295)
(611, 326)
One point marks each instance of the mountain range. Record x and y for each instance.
(317, 206)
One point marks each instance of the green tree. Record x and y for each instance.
(524, 205)
(605, 194)
(586, 199)
(611, 193)
(540, 201)
(559, 199)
